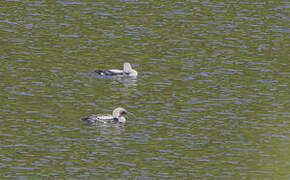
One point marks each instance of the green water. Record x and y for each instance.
(211, 100)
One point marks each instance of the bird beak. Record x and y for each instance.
(131, 114)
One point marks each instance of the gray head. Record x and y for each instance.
(119, 112)
(128, 69)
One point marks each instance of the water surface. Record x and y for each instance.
(211, 100)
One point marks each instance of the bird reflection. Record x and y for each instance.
(110, 129)
(130, 84)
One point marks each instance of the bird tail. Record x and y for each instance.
(86, 119)
(100, 72)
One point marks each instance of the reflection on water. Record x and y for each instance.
(211, 98)
(129, 83)
(110, 130)
(130, 86)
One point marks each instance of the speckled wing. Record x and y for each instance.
(98, 118)
(110, 72)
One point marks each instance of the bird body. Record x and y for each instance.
(116, 117)
(127, 71)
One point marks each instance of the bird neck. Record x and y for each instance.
(122, 119)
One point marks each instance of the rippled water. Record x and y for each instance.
(211, 99)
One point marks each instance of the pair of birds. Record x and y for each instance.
(118, 113)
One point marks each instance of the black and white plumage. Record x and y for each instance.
(116, 117)
(127, 71)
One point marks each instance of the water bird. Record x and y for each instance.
(116, 117)
(127, 71)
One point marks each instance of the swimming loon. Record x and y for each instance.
(127, 71)
(116, 117)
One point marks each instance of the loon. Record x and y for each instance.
(127, 71)
(116, 117)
